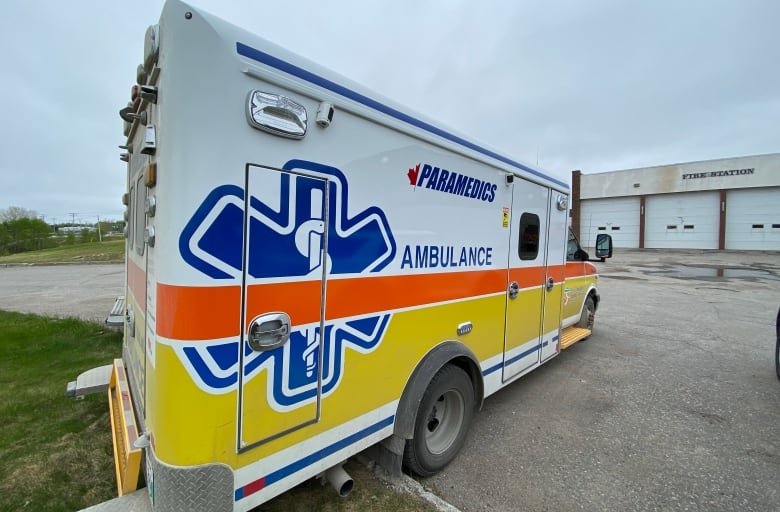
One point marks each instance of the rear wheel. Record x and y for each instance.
(777, 346)
(442, 421)
(777, 357)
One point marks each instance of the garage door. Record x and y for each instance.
(753, 219)
(618, 217)
(682, 221)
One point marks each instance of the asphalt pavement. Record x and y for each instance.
(83, 291)
(671, 405)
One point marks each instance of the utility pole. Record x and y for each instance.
(72, 219)
(100, 236)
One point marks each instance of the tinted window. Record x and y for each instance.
(529, 236)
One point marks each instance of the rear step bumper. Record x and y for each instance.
(124, 430)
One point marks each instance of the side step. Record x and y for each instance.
(572, 335)
(116, 317)
(89, 382)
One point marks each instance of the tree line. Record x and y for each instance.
(24, 230)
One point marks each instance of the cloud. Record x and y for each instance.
(598, 85)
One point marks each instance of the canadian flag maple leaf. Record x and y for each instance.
(413, 173)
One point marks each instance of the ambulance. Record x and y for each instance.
(314, 271)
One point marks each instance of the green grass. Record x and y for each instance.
(368, 494)
(55, 452)
(108, 251)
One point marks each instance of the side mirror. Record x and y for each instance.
(603, 246)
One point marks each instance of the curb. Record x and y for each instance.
(406, 484)
(60, 263)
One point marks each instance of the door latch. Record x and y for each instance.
(514, 289)
(269, 331)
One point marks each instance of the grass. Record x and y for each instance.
(55, 452)
(368, 494)
(106, 252)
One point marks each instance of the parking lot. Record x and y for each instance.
(672, 404)
(82, 291)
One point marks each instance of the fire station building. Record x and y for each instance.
(733, 203)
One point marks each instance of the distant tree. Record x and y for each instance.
(17, 212)
(86, 235)
(21, 230)
(5, 238)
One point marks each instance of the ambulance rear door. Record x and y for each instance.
(285, 247)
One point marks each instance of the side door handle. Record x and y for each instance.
(550, 283)
(514, 290)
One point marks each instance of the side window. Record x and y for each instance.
(140, 214)
(571, 247)
(529, 237)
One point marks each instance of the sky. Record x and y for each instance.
(595, 85)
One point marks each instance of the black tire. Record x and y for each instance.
(441, 423)
(777, 346)
(588, 314)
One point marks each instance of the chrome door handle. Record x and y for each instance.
(514, 290)
(270, 331)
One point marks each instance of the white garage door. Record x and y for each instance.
(618, 217)
(682, 221)
(753, 219)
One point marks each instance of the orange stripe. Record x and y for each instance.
(299, 299)
(528, 277)
(198, 313)
(136, 280)
(202, 313)
(363, 295)
(351, 297)
(557, 272)
(580, 269)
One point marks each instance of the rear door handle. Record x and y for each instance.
(269, 331)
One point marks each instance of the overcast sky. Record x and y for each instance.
(594, 85)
